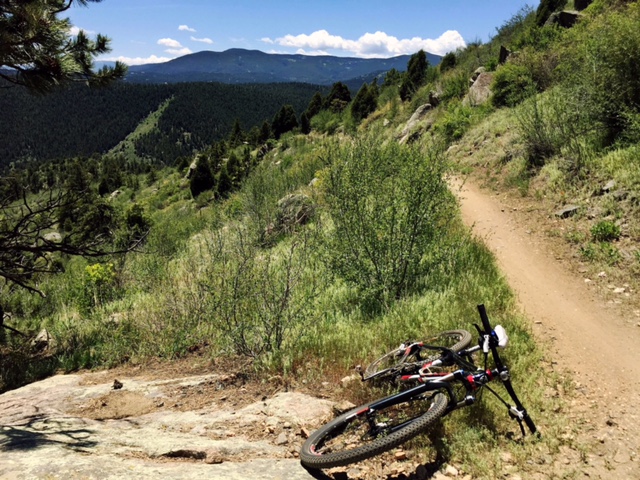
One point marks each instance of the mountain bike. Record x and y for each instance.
(447, 378)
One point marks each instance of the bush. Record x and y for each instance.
(454, 85)
(511, 85)
(389, 205)
(455, 122)
(552, 124)
(257, 300)
(326, 121)
(605, 231)
(600, 65)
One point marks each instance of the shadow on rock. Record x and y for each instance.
(39, 431)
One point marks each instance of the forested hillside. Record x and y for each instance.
(78, 121)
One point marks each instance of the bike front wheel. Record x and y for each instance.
(371, 429)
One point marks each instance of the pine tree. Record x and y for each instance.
(225, 182)
(284, 121)
(338, 98)
(36, 47)
(201, 178)
(448, 62)
(364, 103)
(265, 132)
(315, 105)
(305, 124)
(236, 137)
(415, 76)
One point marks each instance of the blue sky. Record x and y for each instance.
(147, 31)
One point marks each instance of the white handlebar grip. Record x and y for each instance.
(503, 338)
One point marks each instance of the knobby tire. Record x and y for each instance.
(312, 455)
(378, 369)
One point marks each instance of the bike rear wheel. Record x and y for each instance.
(365, 431)
(411, 357)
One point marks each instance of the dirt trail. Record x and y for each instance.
(589, 336)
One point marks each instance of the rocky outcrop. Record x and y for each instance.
(504, 55)
(565, 19)
(78, 426)
(580, 5)
(480, 91)
(476, 74)
(420, 120)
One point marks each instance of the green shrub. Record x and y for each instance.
(600, 66)
(455, 121)
(553, 123)
(454, 85)
(605, 231)
(389, 205)
(326, 121)
(257, 300)
(100, 284)
(511, 85)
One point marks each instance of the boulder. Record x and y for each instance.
(566, 18)
(53, 237)
(476, 74)
(295, 209)
(608, 187)
(580, 5)
(503, 55)
(43, 341)
(420, 115)
(567, 211)
(480, 91)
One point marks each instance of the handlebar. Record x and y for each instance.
(485, 319)
(519, 412)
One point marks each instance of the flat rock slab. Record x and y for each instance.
(77, 426)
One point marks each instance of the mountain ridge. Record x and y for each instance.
(238, 65)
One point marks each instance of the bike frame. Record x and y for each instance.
(473, 381)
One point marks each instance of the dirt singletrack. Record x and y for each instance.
(595, 340)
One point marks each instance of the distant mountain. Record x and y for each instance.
(253, 66)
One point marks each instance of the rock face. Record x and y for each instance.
(50, 431)
(480, 91)
(566, 18)
(504, 54)
(419, 120)
(581, 4)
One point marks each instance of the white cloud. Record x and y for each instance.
(371, 45)
(311, 53)
(202, 40)
(174, 47)
(138, 60)
(178, 51)
(73, 31)
(169, 42)
(186, 28)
